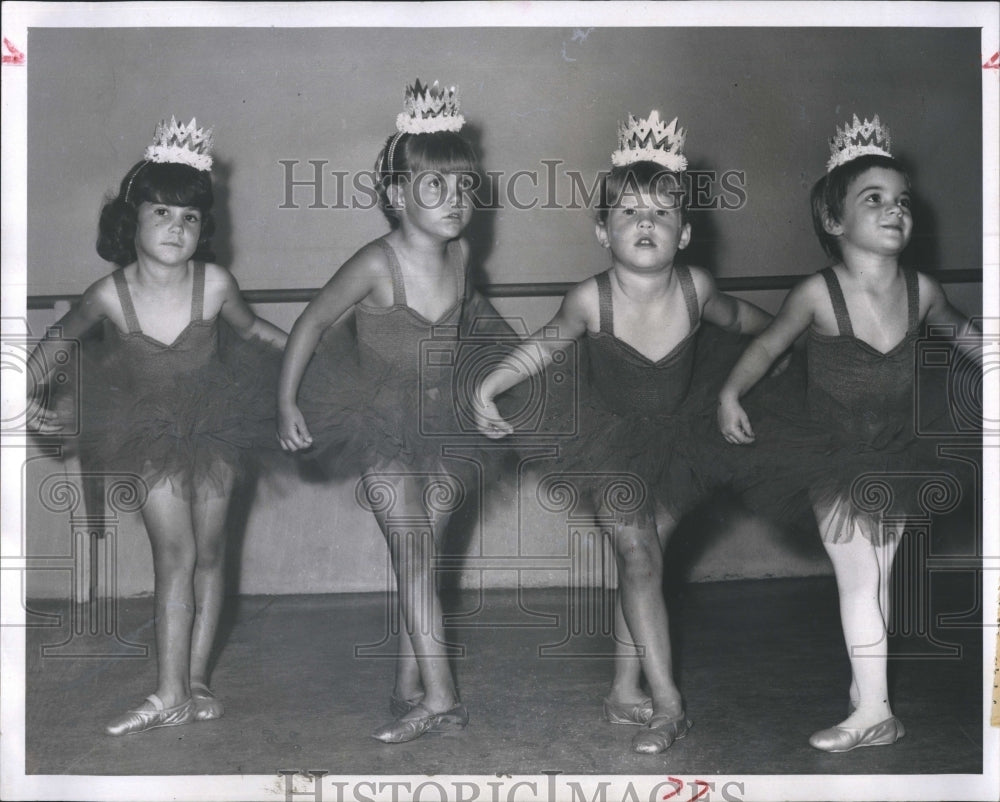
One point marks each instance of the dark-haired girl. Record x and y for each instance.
(863, 316)
(167, 406)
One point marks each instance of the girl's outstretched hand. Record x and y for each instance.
(490, 422)
(293, 434)
(734, 422)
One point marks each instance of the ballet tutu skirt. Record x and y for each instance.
(674, 449)
(191, 417)
(399, 406)
(864, 464)
(856, 433)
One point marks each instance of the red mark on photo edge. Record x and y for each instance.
(702, 792)
(993, 63)
(11, 55)
(679, 783)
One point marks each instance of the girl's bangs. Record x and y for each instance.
(441, 153)
(174, 185)
(642, 177)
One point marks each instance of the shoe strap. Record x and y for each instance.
(156, 701)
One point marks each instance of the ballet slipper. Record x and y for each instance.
(628, 712)
(660, 733)
(135, 721)
(206, 705)
(844, 739)
(408, 729)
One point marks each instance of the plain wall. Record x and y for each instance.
(762, 102)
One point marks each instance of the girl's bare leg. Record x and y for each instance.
(209, 522)
(626, 688)
(413, 550)
(168, 524)
(639, 555)
(408, 686)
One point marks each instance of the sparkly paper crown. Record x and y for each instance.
(859, 139)
(181, 144)
(428, 109)
(652, 140)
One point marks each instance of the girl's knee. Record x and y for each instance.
(638, 555)
(174, 559)
(210, 558)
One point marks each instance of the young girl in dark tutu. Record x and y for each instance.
(647, 409)
(368, 414)
(863, 317)
(167, 405)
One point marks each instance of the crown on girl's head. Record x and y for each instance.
(181, 144)
(650, 140)
(859, 139)
(428, 109)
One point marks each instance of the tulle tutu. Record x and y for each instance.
(197, 432)
(364, 417)
(679, 457)
(861, 467)
(366, 413)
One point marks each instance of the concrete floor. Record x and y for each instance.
(761, 664)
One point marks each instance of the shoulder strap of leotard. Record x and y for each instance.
(398, 289)
(690, 294)
(844, 327)
(125, 299)
(607, 315)
(912, 299)
(605, 309)
(198, 292)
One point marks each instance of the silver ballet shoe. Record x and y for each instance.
(206, 705)
(628, 712)
(844, 739)
(141, 720)
(660, 733)
(409, 729)
(399, 706)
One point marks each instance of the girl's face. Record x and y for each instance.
(876, 216)
(167, 234)
(644, 230)
(439, 204)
